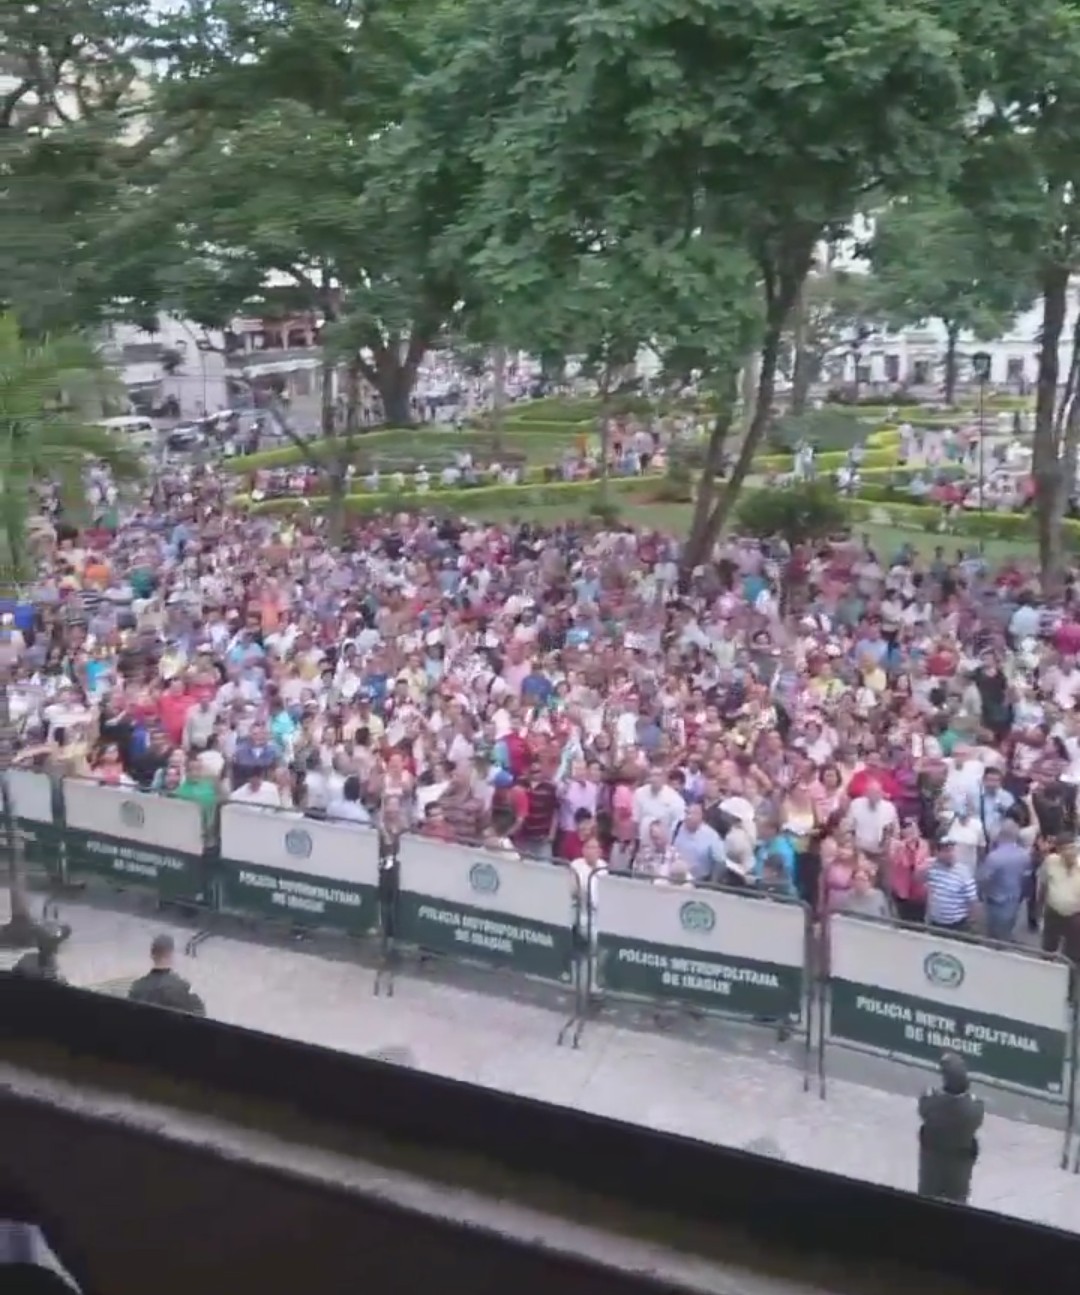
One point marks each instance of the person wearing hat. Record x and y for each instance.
(948, 1144)
(161, 986)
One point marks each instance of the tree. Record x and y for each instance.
(691, 296)
(933, 259)
(313, 176)
(44, 390)
(832, 307)
(73, 116)
(799, 514)
(1020, 181)
(762, 123)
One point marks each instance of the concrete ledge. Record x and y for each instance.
(570, 1187)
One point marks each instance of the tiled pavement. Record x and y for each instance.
(737, 1088)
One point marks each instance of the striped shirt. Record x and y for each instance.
(951, 893)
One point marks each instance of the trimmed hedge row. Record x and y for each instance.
(529, 496)
(927, 518)
(518, 440)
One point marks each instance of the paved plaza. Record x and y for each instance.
(732, 1085)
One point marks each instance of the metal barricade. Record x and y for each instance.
(734, 953)
(482, 907)
(911, 993)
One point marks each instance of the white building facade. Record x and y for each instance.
(916, 356)
(178, 369)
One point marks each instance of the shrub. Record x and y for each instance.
(554, 410)
(827, 429)
(677, 484)
(468, 499)
(796, 513)
(539, 428)
(606, 511)
(827, 462)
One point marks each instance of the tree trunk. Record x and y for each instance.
(802, 380)
(1051, 489)
(801, 374)
(395, 382)
(952, 333)
(770, 354)
(695, 551)
(498, 396)
(1068, 396)
(750, 379)
(352, 401)
(335, 459)
(21, 930)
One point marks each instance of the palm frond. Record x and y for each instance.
(50, 393)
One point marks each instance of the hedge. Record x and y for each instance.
(536, 496)
(929, 518)
(829, 461)
(554, 410)
(390, 439)
(912, 413)
(541, 428)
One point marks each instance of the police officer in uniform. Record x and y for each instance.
(161, 986)
(948, 1147)
(42, 963)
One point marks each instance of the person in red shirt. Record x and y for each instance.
(173, 707)
(874, 771)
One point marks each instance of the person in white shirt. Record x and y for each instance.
(658, 802)
(584, 871)
(348, 807)
(963, 781)
(966, 834)
(873, 819)
(257, 791)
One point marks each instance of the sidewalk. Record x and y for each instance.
(735, 1097)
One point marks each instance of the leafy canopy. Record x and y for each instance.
(932, 259)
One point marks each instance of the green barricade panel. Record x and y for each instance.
(33, 803)
(135, 839)
(481, 906)
(915, 995)
(710, 949)
(303, 898)
(42, 845)
(275, 864)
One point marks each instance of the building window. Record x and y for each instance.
(920, 373)
(1014, 368)
(892, 368)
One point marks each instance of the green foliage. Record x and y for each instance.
(537, 443)
(49, 393)
(933, 259)
(587, 493)
(833, 306)
(796, 513)
(677, 485)
(554, 410)
(827, 429)
(67, 138)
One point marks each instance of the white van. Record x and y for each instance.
(141, 432)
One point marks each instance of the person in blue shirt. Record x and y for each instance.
(1002, 879)
(536, 688)
(775, 845)
(994, 804)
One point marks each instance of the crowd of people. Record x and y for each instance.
(877, 733)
